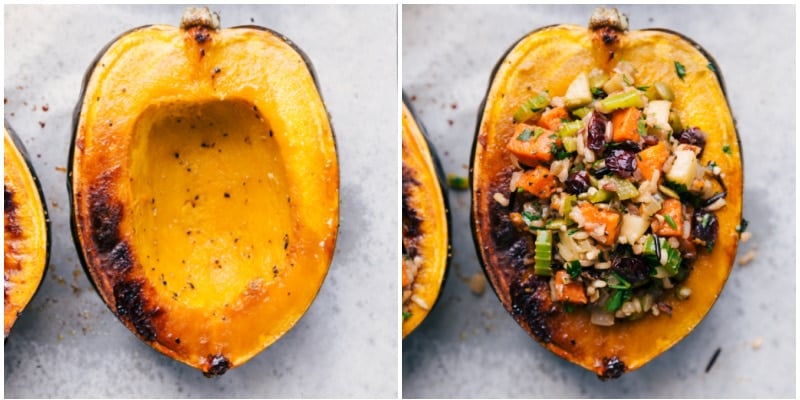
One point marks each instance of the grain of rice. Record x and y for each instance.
(580, 235)
(599, 283)
(757, 342)
(501, 199)
(591, 290)
(419, 301)
(674, 243)
(602, 265)
(745, 236)
(512, 185)
(716, 205)
(747, 257)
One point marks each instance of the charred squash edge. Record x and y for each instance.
(48, 238)
(73, 143)
(481, 110)
(441, 178)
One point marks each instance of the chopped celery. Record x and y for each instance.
(569, 129)
(570, 144)
(555, 224)
(567, 206)
(617, 101)
(581, 112)
(601, 196)
(669, 192)
(543, 255)
(625, 189)
(650, 252)
(533, 107)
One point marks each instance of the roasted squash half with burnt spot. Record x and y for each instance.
(426, 224)
(548, 62)
(204, 187)
(26, 230)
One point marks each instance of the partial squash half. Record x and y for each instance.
(426, 224)
(26, 230)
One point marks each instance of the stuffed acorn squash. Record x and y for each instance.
(26, 230)
(607, 189)
(426, 224)
(204, 187)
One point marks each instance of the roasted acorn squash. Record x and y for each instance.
(548, 59)
(26, 230)
(204, 187)
(426, 224)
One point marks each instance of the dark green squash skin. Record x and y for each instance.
(614, 371)
(76, 120)
(48, 239)
(441, 177)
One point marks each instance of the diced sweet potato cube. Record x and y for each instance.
(591, 219)
(652, 159)
(552, 118)
(571, 292)
(533, 148)
(671, 209)
(538, 182)
(626, 124)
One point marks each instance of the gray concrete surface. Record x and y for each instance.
(68, 344)
(470, 347)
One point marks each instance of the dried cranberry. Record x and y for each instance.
(693, 136)
(597, 132)
(650, 140)
(622, 162)
(577, 183)
(705, 227)
(633, 269)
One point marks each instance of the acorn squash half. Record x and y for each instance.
(549, 59)
(426, 224)
(204, 187)
(26, 230)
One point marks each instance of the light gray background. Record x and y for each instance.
(470, 347)
(67, 343)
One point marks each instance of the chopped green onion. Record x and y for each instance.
(680, 70)
(615, 302)
(406, 315)
(543, 254)
(617, 282)
(457, 182)
(706, 219)
(673, 261)
(643, 88)
(670, 222)
(532, 107)
(631, 98)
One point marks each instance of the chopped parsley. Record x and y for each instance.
(643, 88)
(726, 149)
(568, 307)
(573, 268)
(670, 222)
(525, 135)
(406, 315)
(457, 182)
(680, 70)
(711, 67)
(742, 226)
(528, 217)
(641, 127)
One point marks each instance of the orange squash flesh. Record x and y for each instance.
(426, 219)
(549, 59)
(204, 185)
(25, 231)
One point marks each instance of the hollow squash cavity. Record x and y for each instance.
(209, 191)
